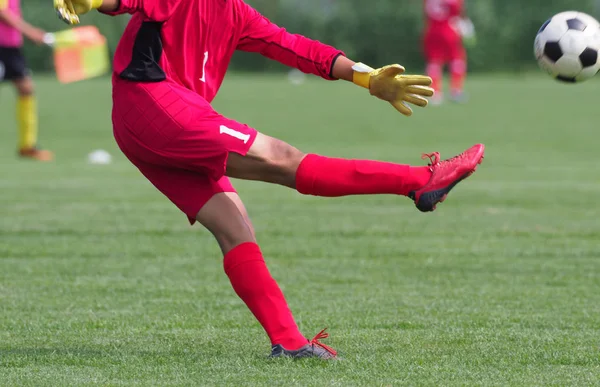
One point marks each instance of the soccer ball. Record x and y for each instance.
(567, 46)
(99, 157)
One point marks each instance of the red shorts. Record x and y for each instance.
(443, 46)
(176, 140)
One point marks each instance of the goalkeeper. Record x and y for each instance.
(168, 67)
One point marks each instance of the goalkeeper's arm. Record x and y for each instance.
(342, 69)
(258, 34)
(109, 6)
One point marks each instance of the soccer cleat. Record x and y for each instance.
(459, 97)
(437, 99)
(36, 154)
(314, 348)
(445, 175)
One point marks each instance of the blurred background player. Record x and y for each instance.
(446, 26)
(14, 69)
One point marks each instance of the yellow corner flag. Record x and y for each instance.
(79, 53)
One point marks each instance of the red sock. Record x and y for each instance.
(434, 71)
(458, 70)
(326, 176)
(251, 280)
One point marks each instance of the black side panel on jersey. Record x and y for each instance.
(147, 50)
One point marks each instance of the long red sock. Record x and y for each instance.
(326, 176)
(251, 280)
(434, 70)
(458, 71)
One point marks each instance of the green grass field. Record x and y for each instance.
(102, 280)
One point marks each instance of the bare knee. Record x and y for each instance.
(25, 86)
(282, 158)
(269, 159)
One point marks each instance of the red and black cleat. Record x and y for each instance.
(314, 348)
(445, 175)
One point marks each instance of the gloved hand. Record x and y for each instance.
(389, 84)
(69, 10)
(466, 29)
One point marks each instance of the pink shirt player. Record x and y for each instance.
(9, 36)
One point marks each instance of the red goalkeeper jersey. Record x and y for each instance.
(191, 42)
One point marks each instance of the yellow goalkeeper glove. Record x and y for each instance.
(69, 10)
(389, 84)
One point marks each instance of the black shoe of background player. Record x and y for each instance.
(314, 348)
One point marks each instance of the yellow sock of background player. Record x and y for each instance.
(27, 121)
(14, 69)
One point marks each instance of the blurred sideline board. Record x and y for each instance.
(79, 53)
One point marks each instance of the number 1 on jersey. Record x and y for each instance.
(203, 79)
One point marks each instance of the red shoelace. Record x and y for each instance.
(319, 336)
(434, 159)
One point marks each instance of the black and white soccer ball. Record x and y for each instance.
(568, 46)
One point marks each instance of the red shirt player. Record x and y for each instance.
(443, 44)
(167, 69)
